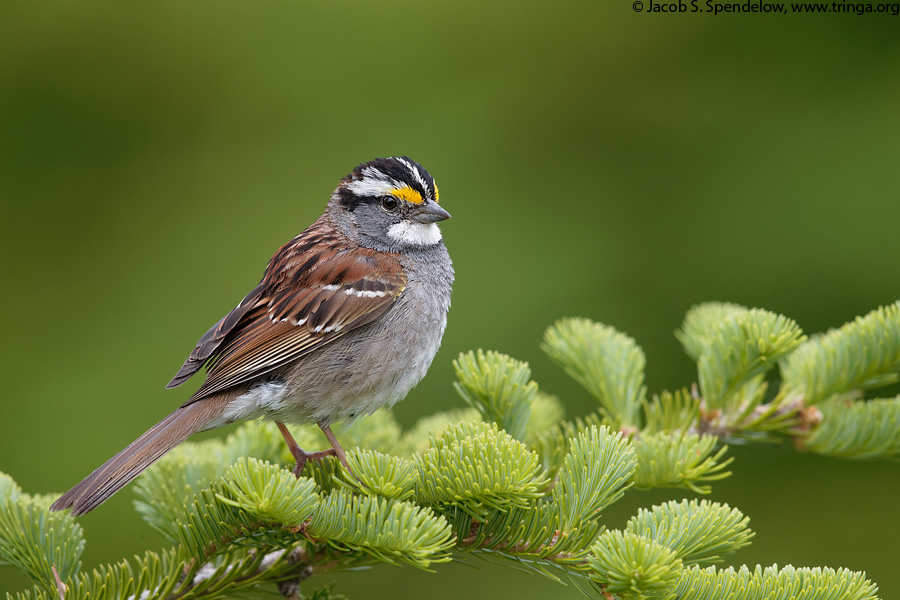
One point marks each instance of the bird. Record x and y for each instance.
(347, 319)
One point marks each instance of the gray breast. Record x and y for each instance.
(370, 367)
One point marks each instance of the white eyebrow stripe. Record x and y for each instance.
(374, 173)
(415, 173)
(374, 183)
(369, 186)
(377, 183)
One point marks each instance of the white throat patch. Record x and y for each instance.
(416, 234)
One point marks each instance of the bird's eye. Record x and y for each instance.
(389, 203)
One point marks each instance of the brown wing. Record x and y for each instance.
(316, 289)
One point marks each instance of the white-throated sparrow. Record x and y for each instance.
(346, 319)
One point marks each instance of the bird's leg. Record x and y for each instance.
(299, 454)
(338, 451)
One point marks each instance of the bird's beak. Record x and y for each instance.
(429, 212)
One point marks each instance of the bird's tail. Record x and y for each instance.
(140, 454)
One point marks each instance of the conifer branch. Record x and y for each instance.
(863, 354)
(735, 346)
(701, 323)
(391, 531)
(697, 532)
(856, 429)
(771, 582)
(671, 412)
(478, 468)
(596, 472)
(506, 478)
(34, 540)
(418, 439)
(165, 576)
(609, 364)
(377, 474)
(269, 492)
(499, 387)
(679, 460)
(633, 567)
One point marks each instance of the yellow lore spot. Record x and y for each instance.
(436, 195)
(408, 194)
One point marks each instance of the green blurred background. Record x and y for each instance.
(597, 162)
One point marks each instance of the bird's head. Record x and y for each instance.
(391, 203)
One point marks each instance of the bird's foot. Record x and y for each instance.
(302, 457)
(336, 447)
